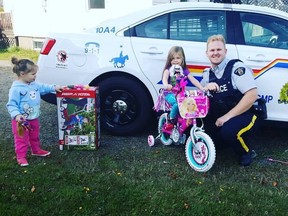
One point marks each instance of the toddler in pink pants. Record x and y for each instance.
(24, 108)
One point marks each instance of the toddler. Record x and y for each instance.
(24, 108)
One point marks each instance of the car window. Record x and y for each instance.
(196, 25)
(264, 31)
(184, 25)
(154, 28)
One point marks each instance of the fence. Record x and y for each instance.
(8, 40)
(277, 4)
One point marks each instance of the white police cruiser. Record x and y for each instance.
(125, 56)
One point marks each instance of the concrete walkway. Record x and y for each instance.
(5, 63)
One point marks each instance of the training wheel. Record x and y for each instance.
(151, 140)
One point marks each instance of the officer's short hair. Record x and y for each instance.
(217, 37)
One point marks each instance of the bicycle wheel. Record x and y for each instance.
(164, 137)
(201, 155)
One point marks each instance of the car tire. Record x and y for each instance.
(125, 106)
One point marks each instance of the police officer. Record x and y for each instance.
(234, 91)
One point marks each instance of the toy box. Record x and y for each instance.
(79, 118)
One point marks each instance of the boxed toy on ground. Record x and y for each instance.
(79, 117)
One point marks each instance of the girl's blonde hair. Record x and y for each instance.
(175, 50)
(23, 65)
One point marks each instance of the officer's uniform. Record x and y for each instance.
(233, 82)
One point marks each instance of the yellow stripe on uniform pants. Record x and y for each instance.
(243, 130)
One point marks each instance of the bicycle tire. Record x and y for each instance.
(200, 161)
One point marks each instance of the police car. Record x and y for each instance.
(125, 56)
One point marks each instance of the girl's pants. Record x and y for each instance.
(30, 137)
(171, 99)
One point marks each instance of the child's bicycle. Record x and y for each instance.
(194, 104)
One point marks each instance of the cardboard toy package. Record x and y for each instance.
(79, 118)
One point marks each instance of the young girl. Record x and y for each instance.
(176, 56)
(24, 107)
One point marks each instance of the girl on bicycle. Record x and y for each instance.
(176, 57)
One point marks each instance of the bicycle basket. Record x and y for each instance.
(195, 104)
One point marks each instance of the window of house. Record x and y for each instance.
(37, 44)
(94, 4)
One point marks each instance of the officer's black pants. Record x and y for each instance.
(236, 132)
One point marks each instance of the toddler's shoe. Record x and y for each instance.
(41, 153)
(22, 162)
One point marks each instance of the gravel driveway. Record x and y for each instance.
(49, 126)
(48, 116)
(7, 76)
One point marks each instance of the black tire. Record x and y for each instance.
(132, 119)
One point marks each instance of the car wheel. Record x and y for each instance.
(125, 106)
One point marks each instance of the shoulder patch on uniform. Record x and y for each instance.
(240, 71)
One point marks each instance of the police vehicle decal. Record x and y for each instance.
(281, 63)
(62, 57)
(119, 61)
(283, 98)
(92, 47)
(198, 70)
(105, 29)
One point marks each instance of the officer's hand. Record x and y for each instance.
(212, 87)
(221, 120)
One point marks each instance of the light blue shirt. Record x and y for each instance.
(25, 98)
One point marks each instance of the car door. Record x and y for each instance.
(190, 29)
(264, 48)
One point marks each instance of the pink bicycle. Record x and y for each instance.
(193, 104)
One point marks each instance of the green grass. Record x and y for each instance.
(20, 53)
(126, 177)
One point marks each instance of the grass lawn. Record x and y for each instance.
(19, 53)
(127, 177)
